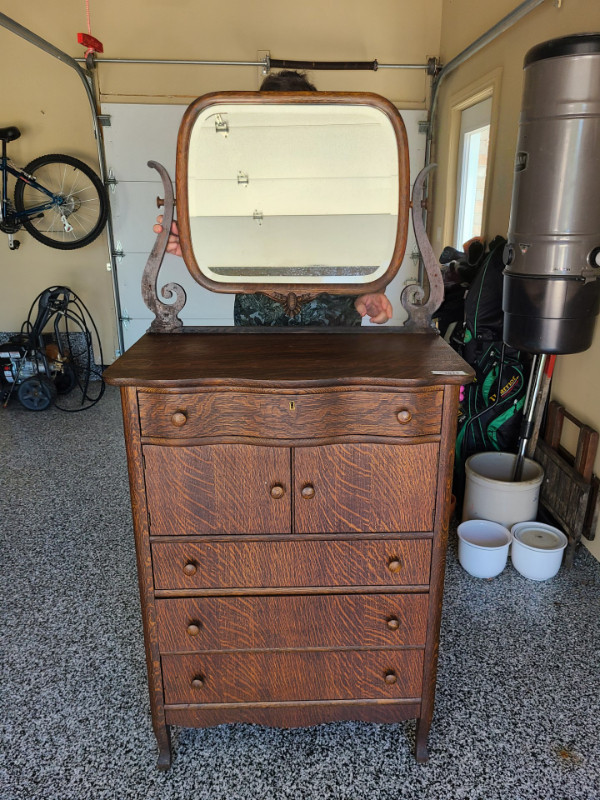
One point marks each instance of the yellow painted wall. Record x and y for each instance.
(47, 101)
(576, 381)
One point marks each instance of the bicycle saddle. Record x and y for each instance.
(9, 134)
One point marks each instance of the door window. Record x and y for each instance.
(472, 170)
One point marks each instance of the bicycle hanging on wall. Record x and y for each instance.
(58, 199)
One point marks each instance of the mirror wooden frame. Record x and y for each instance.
(292, 294)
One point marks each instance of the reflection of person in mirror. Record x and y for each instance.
(326, 309)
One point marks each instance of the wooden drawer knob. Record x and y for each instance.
(390, 677)
(198, 681)
(179, 418)
(190, 568)
(394, 565)
(308, 491)
(277, 491)
(193, 629)
(393, 623)
(404, 416)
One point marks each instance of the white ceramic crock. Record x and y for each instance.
(537, 550)
(483, 547)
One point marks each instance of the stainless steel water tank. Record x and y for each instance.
(551, 288)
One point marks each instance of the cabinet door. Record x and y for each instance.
(365, 488)
(224, 488)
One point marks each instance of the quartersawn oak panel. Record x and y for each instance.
(289, 416)
(299, 621)
(246, 564)
(222, 488)
(365, 488)
(278, 675)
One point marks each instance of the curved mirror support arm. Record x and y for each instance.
(166, 314)
(420, 314)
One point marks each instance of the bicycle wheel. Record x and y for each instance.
(80, 207)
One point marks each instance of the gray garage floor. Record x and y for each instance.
(518, 698)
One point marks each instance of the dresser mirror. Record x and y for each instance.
(305, 192)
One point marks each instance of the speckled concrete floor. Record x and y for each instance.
(518, 700)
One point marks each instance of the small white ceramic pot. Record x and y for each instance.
(537, 550)
(483, 547)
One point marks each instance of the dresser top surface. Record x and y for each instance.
(282, 357)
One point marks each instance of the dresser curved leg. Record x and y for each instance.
(163, 739)
(421, 753)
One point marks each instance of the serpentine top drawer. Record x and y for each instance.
(290, 416)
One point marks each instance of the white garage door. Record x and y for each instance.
(141, 133)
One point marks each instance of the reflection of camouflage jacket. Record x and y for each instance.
(326, 309)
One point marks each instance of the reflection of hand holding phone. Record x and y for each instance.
(173, 245)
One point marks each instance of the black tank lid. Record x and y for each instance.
(578, 44)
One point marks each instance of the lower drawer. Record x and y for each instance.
(250, 564)
(296, 621)
(292, 676)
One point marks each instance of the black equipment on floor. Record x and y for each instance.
(39, 367)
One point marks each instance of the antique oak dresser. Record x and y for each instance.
(290, 492)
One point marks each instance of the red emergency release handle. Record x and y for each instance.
(90, 42)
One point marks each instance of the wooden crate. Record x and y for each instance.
(569, 493)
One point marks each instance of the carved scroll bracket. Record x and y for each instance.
(166, 314)
(419, 313)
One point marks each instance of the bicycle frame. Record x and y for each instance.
(12, 215)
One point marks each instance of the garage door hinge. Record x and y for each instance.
(104, 120)
(118, 251)
(111, 180)
(415, 256)
(423, 126)
(221, 125)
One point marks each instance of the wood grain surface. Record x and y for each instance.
(228, 489)
(297, 621)
(304, 675)
(365, 488)
(266, 415)
(284, 358)
(263, 564)
(289, 715)
(224, 488)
